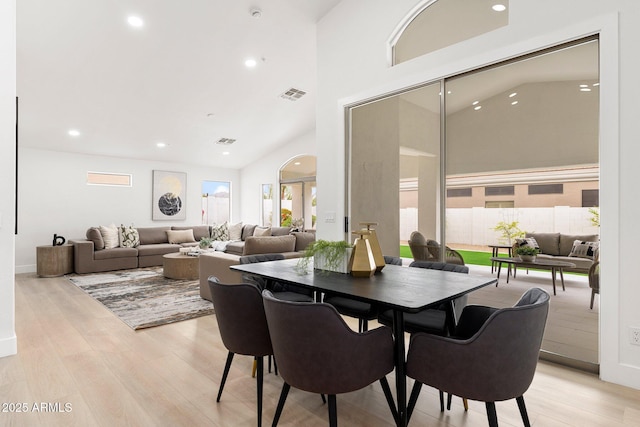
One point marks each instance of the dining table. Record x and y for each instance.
(401, 289)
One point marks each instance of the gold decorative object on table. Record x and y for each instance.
(362, 262)
(375, 246)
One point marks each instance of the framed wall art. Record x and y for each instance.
(169, 196)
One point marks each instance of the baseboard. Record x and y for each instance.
(29, 268)
(590, 367)
(8, 346)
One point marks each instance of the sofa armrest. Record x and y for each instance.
(217, 264)
(82, 254)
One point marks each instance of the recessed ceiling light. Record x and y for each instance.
(161, 144)
(585, 89)
(297, 163)
(513, 94)
(250, 63)
(596, 84)
(74, 132)
(225, 153)
(514, 102)
(475, 102)
(499, 7)
(478, 107)
(584, 85)
(448, 92)
(135, 21)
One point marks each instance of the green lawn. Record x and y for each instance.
(470, 257)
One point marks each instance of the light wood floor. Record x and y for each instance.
(72, 350)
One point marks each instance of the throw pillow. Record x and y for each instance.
(94, 235)
(220, 232)
(110, 236)
(529, 241)
(128, 237)
(262, 231)
(585, 249)
(180, 236)
(235, 231)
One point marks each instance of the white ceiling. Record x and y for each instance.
(180, 79)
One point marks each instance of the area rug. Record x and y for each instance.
(143, 298)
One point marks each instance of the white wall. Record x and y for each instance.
(54, 197)
(352, 66)
(265, 171)
(8, 342)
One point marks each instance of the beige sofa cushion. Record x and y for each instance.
(180, 236)
(269, 244)
(199, 231)
(549, 243)
(153, 235)
(94, 235)
(303, 239)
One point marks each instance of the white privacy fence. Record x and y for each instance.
(474, 226)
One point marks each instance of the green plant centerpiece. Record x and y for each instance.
(526, 253)
(205, 242)
(330, 254)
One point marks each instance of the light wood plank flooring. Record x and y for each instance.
(72, 350)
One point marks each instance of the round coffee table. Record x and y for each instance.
(178, 266)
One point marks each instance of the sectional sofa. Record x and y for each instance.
(90, 254)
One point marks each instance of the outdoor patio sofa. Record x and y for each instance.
(560, 247)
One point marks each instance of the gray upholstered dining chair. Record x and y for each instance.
(281, 290)
(492, 357)
(361, 310)
(431, 320)
(318, 352)
(594, 281)
(243, 327)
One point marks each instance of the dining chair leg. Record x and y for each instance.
(324, 399)
(413, 399)
(387, 393)
(255, 366)
(260, 361)
(333, 411)
(593, 294)
(283, 397)
(448, 401)
(491, 414)
(227, 365)
(523, 411)
(441, 400)
(465, 403)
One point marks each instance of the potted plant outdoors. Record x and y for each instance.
(326, 255)
(527, 253)
(509, 231)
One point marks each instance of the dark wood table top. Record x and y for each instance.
(401, 288)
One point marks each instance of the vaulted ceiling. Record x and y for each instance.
(179, 79)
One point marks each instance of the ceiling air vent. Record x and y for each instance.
(225, 141)
(293, 94)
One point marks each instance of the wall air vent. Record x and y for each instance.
(293, 94)
(225, 141)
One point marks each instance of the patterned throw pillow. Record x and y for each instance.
(128, 236)
(110, 236)
(529, 241)
(220, 232)
(585, 249)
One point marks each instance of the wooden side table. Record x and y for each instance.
(54, 261)
(178, 266)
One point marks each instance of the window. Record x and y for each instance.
(459, 192)
(546, 189)
(216, 202)
(267, 204)
(110, 179)
(505, 190)
(590, 198)
(437, 24)
(499, 205)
